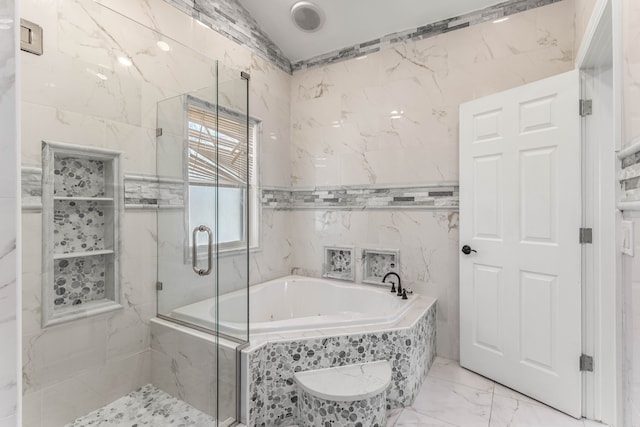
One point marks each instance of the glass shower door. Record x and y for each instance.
(203, 237)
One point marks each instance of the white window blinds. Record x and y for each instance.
(232, 163)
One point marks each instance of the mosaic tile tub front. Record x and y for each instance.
(272, 398)
(317, 412)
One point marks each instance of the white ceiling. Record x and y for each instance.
(349, 22)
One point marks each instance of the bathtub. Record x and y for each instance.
(300, 324)
(296, 303)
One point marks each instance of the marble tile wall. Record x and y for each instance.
(79, 93)
(428, 243)
(231, 19)
(184, 365)
(488, 14)
(631, 265)
(584, 9)
(631, 329)
(631, 70)
(390, 119)
(9, 235)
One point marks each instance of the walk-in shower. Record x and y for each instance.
(205, 163)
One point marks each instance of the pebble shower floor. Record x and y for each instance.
(147, 406)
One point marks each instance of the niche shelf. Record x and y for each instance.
(378, 262)
(81, 210)
(338, 263)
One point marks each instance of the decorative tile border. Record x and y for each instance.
(31, 188)
(234, 22)
(441, 197)
(490, 13)
(141, 191)
(629, 176)
(272, 396)
(152, 192)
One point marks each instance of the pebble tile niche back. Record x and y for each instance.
(81, 211)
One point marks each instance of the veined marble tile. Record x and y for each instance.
(511, 412)
(55, 354)
(631, 71)
(411, 418)
(453, 403)
(500, 390)
(8, 312)
(393, 415)
(451, 370)
(8, 375)
(11, 421)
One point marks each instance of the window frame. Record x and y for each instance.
(251, 225)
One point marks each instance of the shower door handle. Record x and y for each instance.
(194, 255)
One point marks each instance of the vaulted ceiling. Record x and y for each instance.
(350, 22)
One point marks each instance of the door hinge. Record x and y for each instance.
(586, 107)
(586, 363)
(158, 286)
(586, 235)
(158, 132)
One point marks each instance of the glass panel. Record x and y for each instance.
(206, 154)
(233, 215)
(185, 296)
(233, 231)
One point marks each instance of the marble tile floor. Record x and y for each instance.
(454, 396)
(148, 406)
(450, 396)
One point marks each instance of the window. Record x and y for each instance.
(234, 162)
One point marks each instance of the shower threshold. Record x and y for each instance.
(147, 406)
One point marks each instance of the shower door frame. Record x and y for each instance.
(243, 248)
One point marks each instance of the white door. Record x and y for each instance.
(520, 292)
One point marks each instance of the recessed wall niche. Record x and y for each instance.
(338, 263)
(378, 262)
(81, 211)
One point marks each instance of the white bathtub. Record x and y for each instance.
(295, 303)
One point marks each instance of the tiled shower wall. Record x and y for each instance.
(391, 118)
(9, 201)
(78, 92)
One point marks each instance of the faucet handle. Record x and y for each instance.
(404, 294)
(393, 287)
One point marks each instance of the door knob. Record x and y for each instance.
(466, 249)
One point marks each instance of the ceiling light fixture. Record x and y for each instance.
(307, 16)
